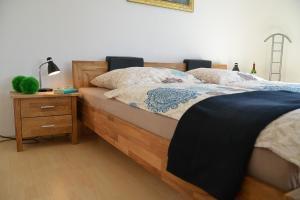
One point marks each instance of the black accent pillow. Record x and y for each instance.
(194, 64)
(116, 62)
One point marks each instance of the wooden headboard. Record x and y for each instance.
(85, 71)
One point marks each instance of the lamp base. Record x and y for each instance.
(45, 90)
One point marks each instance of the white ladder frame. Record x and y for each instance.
(273, 51)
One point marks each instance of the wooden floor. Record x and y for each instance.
(91, 170)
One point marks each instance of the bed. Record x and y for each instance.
(148, 145)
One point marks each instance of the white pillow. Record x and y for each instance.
(220, 76)
(140, 75)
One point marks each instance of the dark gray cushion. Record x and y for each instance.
(117, 62)
(194, 64)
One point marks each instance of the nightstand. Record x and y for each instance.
(44, 114)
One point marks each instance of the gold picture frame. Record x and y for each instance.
(172, 4)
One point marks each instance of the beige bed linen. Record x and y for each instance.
(264, 164)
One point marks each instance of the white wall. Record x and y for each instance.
(224, 31)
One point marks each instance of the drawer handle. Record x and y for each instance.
(48, 126)
(47, 107)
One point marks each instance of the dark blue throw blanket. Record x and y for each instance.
(215, 138)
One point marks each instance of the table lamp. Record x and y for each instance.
(52, 70)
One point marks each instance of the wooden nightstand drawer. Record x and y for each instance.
(46, 107)
(41, 126)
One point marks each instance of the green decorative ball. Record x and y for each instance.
(29, 85)
(16, 83)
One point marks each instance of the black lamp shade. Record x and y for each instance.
(52, 68)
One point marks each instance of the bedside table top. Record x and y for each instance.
(16, 95)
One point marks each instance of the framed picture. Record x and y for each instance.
(185, 5)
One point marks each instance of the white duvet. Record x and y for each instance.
(282, 136)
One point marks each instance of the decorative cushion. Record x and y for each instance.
(194, 64)
(115, 62)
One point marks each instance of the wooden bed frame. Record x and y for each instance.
(149, 149)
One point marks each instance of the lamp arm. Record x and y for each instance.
(40, 72)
